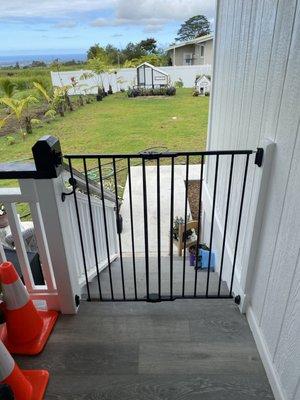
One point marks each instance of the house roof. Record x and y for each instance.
(198, 40)
(153, 67)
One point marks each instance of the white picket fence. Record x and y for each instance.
(125, 77)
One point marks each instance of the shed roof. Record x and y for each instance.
(203, 76)
(153, 67)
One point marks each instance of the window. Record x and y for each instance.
(202, 50)
(188, 58)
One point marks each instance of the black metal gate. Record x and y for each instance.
(157, 276)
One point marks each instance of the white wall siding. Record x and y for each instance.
(256, 95)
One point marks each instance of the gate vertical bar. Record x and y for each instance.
(146, 227)
(225, 223)
(199, 226)
(171, 227)
(105, 228)
(80, 232)
(119, 233)
(185, 221)
(158, 229)
(92, 226)
(212, 223)
(132, 229)
(239, 223)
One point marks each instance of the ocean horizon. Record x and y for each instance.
(27, 59)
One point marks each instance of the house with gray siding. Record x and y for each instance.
(197, 51)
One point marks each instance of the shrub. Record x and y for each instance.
(171, 91)
(10, 140)
(178, 83)
(163, 91)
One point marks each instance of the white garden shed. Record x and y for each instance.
(150, 76)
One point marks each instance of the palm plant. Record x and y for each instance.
(7, 88)
(20, 109)
(55, 100)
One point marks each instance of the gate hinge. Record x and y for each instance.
(259, 156)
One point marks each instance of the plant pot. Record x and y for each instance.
(3, 221)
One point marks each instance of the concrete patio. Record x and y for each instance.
(165, 199)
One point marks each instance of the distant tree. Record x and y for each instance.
(132, 51)
(115, 56)
(194, 27)
(149, 45)
(69, 63)
(153, 59)
(38, 64)
(95, 51)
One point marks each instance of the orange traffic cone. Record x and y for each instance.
(2, 322)
(25, 385)
(27, 328)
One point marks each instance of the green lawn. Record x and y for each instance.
(120, 124)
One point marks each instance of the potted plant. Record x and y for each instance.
(3, 217)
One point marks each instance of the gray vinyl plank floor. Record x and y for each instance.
(185, 350)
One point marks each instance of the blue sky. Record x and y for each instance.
(60, 26)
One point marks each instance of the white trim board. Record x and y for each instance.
(265, 355)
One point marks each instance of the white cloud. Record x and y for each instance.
(51, 8)
(125, 11)
(151, 15)
(164, 9)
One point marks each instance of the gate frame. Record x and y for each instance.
(150, 155)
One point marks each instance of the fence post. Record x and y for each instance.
(48, 159)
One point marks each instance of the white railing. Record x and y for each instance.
(27, 194)
(99, 230)
(57, 238)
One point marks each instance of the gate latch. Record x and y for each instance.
(259, 156)
(73, 183)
